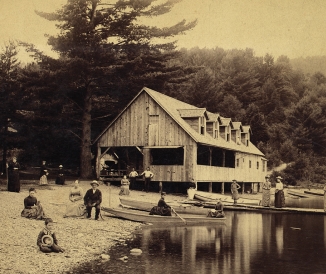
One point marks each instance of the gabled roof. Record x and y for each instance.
(171, 107)
(237, 125)
(212, 117)
(226, 122)
(247, 129)
(189, 113)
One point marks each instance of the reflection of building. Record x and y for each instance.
(181, 143)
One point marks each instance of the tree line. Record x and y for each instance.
(52, 109)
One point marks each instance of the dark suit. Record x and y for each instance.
(90, 198)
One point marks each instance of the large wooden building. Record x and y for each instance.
(180, 143)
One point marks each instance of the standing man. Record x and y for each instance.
(93, 198)
(148, 177)
(133, 175)
(13, 175)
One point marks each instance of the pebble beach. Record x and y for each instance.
(83, 240)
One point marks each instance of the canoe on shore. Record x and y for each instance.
(314, 193)
(212, 197)
(144, 217)
(301, 194)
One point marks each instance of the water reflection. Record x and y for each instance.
(247, 243)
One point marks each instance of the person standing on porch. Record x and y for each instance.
(234, 190)
(148, 177)
(266, 198)
(133, 175)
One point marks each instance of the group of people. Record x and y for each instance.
(279, 193)
(79, 205)
(13, 168)
(126, 184)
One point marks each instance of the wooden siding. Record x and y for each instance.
(193, 122)
(210, 128)
(242, 173)
(132, 127)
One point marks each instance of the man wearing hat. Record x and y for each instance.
(266, 198)
(93, 198)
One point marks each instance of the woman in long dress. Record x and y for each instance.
(13, 176)
(279, 193)
(44, 174)
(76, 207)
(124, 190)
(266, 198)
(32, 207)
(234, 190)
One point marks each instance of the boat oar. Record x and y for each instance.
(179, 215)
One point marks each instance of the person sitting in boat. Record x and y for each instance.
(162, 207)
(217, 212)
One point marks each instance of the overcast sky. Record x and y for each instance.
(293, 28)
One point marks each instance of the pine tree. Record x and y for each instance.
(100, 46)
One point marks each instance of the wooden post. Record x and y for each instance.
(210, 184)
(222, 190)
(242, 188)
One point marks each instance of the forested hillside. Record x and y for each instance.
(310, 65)
(53, 109)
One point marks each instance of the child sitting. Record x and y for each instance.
(46, 240)
(217, 212)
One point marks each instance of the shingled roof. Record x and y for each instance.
(173, 106)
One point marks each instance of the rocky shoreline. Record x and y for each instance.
(83, 240)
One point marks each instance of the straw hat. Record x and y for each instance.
(47, 240)
(94, 183)
(61, 166)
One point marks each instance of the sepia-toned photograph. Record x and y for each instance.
(163, 136)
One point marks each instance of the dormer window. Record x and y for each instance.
(202, 125)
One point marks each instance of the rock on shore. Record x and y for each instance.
(82, 239)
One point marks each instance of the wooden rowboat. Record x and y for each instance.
(178, 207)
(314, 193)
(299, 194)
(144, 217)
(211, 197)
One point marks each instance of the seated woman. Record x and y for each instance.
(124, 186)
(217, 212)
(76, 208)
(32, 208)
(162, 207)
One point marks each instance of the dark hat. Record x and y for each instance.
(279, 177)
(234, 180)
(163, 193)
(95, 183)
(267, 176)
(47, 239)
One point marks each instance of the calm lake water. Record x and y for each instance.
(246, 243)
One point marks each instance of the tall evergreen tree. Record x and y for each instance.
(101, 45)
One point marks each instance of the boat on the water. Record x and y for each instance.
(211, 197)
(314, 193)
(144, 217)
(181, 208)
